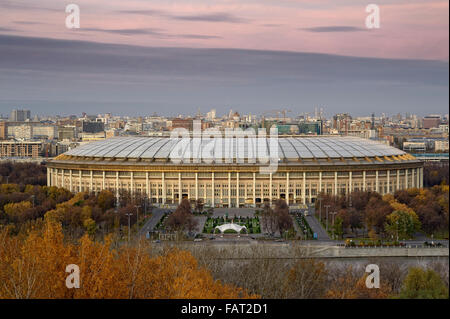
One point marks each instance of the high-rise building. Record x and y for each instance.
(20, 115)
(3, 130)
(431, 121)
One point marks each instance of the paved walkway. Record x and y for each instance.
(316, 227)
(157, 214)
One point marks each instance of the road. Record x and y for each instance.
(316, 227)
(157, 214)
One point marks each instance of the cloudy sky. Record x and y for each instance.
(171, 57)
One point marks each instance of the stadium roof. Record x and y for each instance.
(289, 148)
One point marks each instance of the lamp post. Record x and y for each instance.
(397, 230)
(333, 214)
(129, 225)
(326, 207)
(137, 212)
(320, 207)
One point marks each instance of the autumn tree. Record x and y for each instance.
(35, 267)
(423, 284)
(307, 279)
(182, 219)
(284, 220)
(269, 219)
(403, 224)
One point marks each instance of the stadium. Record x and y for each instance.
(306, 166)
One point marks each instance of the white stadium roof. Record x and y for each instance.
(151, 148)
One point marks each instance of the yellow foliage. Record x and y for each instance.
(388, 198)
(34, 267)
(401, 207)
(16, 209)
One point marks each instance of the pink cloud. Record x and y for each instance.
(408, 30)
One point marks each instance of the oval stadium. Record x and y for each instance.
(306, 166)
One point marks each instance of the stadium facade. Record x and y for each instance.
(306, 166)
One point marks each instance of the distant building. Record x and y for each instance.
(183, 123)
(30, 130)
(20, 149)
(92, 127)
(3, 130)
(67, 133)
(441, 145)
(88, 137)
(431, 121)
(414, 146)
(310, 128)
(20, 115)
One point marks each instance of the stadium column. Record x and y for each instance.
(91, 181)
(132, 183)
(350, 182)
(229, 189)
(180, 190)
(213, 193)
(310, 191)
(270, 189)
(335, 183)
(412, 178)
(147, 186)
(117, 184)
(295, 192)
(70, 180)
(287, 188)
(421, 177)
(320, 183)
(398, 180)
(163, 185)
(304, 188)
(79, 180)
(237, 189)
(196, 186)
(388, 181)
(376, 182)
(103, 180)
(49, 177)
(418, 177)
(406, 178)
(164, 188)
(62, 178)
(364, 181)
(254, 188)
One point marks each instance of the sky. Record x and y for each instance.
(172, 57)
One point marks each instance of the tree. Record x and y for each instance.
(376, 213)
(423, 284)
(306, 280)
(106, 200)
(269, 219)
(338, 227)
(401, 223)
(34, 267)
(281, 212)
(199, 205)
(182, 218)
(17, 211)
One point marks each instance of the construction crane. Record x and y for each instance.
(278, 112)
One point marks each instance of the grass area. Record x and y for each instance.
(251, 223)
(440, 235)
(160, 224)
(303, 225)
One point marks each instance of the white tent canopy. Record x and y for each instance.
(235, 227)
